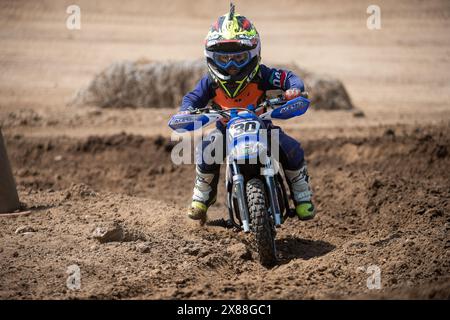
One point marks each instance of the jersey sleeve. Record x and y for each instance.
(273, 79)
(199, 97)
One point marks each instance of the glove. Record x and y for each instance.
(187, 111)
(293, 93)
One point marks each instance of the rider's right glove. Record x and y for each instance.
(187, 111)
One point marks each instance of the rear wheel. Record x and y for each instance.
(262, 224)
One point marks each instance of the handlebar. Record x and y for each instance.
(265, 104)
(286, 110)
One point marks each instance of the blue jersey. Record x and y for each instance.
(270, 79)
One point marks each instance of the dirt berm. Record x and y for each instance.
(144, 84)
(382, 201)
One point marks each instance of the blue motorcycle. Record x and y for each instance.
(257, 199)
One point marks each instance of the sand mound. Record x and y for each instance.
(136, 84)
(163, 84)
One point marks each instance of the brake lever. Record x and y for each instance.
(210, 110)
(199, 111)
(272, 102)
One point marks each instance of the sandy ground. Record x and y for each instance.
(381, 182)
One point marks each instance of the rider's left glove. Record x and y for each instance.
(292, 94)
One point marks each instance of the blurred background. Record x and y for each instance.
(399, 73)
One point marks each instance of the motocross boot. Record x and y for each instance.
(301, 190)
(205, 191)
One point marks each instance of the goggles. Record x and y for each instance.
(227, 59)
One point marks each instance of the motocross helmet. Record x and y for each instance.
(233, 52)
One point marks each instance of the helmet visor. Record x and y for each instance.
(227, 59)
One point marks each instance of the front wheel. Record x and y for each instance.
(262, 224)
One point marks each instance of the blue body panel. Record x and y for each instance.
(245, 140)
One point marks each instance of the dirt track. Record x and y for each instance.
(381, 182)
(374, 209)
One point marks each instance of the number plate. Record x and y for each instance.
(246, 127)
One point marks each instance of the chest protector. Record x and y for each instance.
(252, 94)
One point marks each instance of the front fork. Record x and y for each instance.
(269, 174)
(238, 188)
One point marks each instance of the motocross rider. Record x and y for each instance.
(237, 78)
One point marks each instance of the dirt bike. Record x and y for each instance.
(257, 199)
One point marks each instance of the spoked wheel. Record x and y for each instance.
(262, 224)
